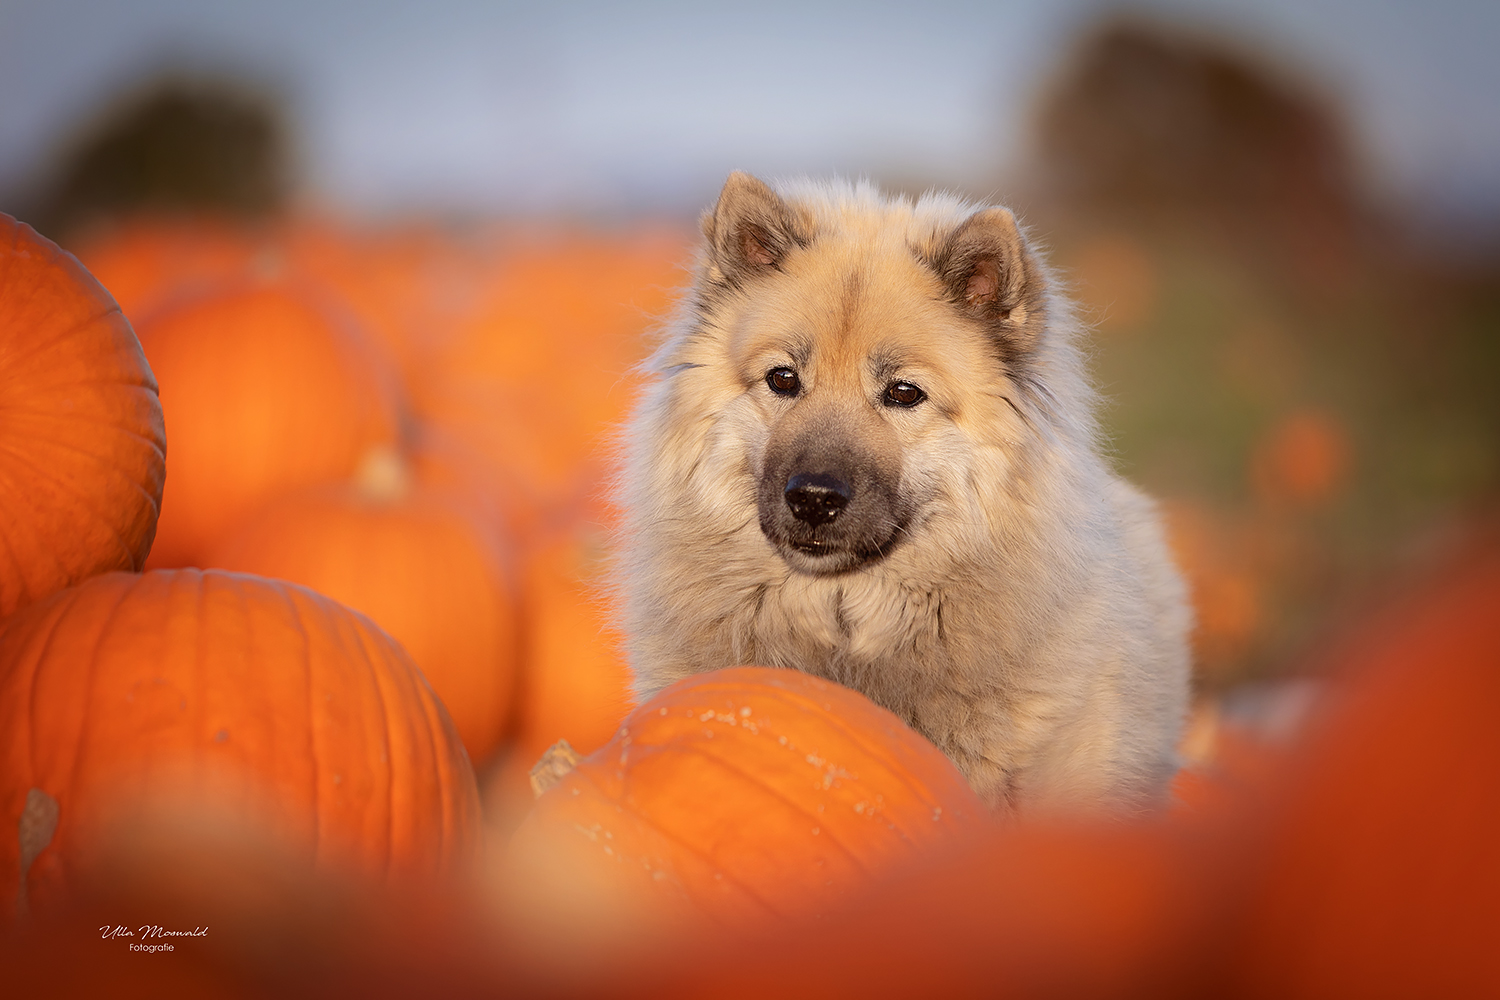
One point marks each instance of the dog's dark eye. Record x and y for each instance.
(783, 381)
(903, 394)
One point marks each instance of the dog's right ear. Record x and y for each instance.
(750, 231)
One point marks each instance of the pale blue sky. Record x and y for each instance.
(579, 106)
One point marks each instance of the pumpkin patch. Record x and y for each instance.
(397, 432)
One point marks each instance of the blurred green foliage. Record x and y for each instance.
(1307, 390)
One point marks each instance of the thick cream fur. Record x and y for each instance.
(1031, 623)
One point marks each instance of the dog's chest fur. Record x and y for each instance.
(965, 661)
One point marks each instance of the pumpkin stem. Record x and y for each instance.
(38, 824)
(553, 766)
(383, 475)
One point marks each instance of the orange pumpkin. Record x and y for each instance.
(264, 391)
(1217, 558)
(1033, 910)
(575, 683)
(407, 285)
(416, 563)
(741, 794)
(399, 283)
(542, 367)
(1302, 461)
(149, 261)
(438, 460)
(83, 449)
(1383, 876)
(212, 688)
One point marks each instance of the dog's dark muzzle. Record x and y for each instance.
(828, 516)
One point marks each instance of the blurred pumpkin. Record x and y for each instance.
(83, 450)
(417, 564)
(149, 261)
(575, 683)
(1303, 460)
(536, 375)
(397, 282)
(1226, 593)
(264, 391)
(441, 461)
(211, 690)
(407, 285)
(1030, 911)
(1224, 764)
(739, 795)
(1383, 876)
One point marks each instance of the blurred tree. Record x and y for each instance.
(1146, 121)
(179, 144)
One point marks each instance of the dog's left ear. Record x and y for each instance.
(991, 276)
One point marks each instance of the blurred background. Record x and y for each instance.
(1282, 218)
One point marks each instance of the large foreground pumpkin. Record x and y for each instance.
(82, 446)
(217, 689)
(416, 562)
(739, 795)
(265, 390)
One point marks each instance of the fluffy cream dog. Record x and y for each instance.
(868, 453)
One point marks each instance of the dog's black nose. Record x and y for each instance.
(817, 497)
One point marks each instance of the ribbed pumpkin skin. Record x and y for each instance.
(129, 686)
(264, 391)
(82, 443)
(420, 568)
(748, 793)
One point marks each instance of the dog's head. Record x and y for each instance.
(870, 347)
